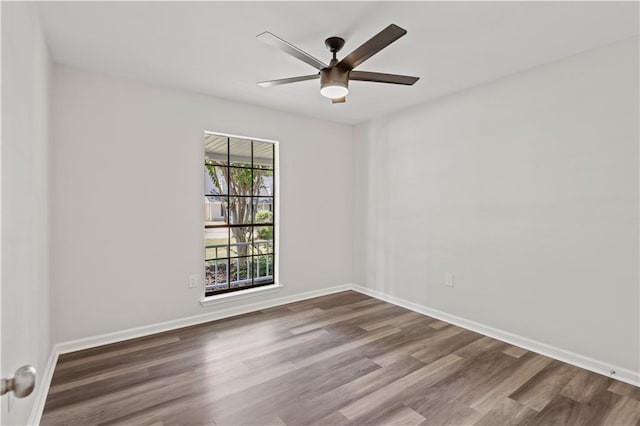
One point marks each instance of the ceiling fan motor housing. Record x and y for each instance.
(334, 76)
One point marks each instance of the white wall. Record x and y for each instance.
(119, 145)
(26, 81)
(527, 190)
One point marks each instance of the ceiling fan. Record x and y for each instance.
(335, 77)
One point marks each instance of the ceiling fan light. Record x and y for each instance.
(334, 91)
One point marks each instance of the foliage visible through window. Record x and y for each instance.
(239, 213)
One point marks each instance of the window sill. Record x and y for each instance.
(240, 294)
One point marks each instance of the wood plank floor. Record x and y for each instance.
(340, 359)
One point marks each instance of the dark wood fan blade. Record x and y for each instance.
(379, 77)
(271, 83)
(339, 100)
(371, 47)
(289, 48)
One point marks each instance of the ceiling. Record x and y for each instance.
(210, 47)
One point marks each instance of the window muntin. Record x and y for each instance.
(239, 213)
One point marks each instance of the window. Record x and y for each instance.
(239, 213)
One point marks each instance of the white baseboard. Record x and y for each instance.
(572, 358)
(42, 389)
(600, 367)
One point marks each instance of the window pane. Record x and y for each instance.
(216, 242)
(263, 155)
(239, 210)
(240, 241)
(240, 272)
(214, 208)
(240, 180)
(240, 152)
(216, 275)
(215, 180)
(263, 269)
(263, 240)
(263, 183)
(215, 149)
(263, 210)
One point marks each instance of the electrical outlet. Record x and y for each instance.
(448, 279)
(193, 281)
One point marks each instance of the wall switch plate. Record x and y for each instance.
(448, 279)
(193, 281)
